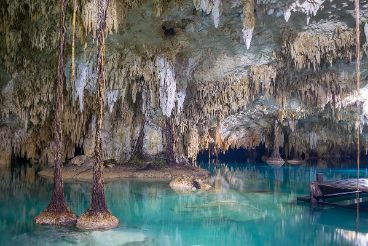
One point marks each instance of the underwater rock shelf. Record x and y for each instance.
(339, 193)
(84, 174)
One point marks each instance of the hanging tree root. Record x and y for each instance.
(97, 221)
(51, 217)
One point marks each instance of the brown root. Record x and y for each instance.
(62, 218)
(97, 221)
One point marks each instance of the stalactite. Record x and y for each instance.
(216, 12)
(287, 15)
(167, 85)
(180, 98)
(132, 67)
(309, 48)
(248, 139)
(249, 21)
(111, 98)
(84, 76)
(227, 96)
(264, 76)
(90, 16)
(213, 7)
(193, 144)
(365, 45)
(160, 6)
(74, 19)
(308, 7)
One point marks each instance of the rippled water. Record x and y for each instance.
(256, 205)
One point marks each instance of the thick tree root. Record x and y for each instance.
(97, 221)
(63, 218)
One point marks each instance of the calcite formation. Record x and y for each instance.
(320, 43)
(249, 21)
(221, 71)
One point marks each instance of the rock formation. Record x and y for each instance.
(173, 68)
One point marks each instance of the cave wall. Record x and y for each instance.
(220, 70)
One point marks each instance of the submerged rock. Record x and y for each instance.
(188, 184)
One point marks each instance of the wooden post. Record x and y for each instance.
(315, 192)
(319, 177)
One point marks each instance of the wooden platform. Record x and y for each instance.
(339, 193)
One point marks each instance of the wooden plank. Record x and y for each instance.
(348, 184)
(339, 193)
(342, 194)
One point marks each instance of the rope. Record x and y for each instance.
(357, 43)
(357, 53)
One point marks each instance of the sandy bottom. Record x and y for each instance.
(84, 174)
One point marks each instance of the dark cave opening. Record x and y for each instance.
(258, 155)
(239, 155)
(78, 150)
(19, 165)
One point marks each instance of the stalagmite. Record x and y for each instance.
(275, 158)
(313, 139)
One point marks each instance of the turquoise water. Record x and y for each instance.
(256, 205)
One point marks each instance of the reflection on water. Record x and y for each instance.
(252, 204)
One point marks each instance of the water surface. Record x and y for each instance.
(255, 205)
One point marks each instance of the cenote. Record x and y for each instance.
(256, 205)
(184, 122)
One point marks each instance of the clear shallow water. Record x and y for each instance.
(256, 205)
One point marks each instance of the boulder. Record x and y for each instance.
(81, 160)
